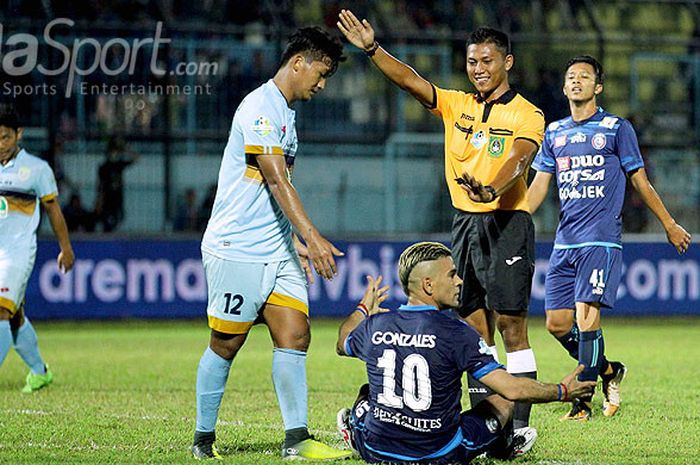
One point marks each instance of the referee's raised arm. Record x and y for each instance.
(361, 35)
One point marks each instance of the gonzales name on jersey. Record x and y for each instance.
(590, 159)
(415, 359)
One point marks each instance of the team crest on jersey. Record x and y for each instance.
(4, 208)
(262, 126)
(496, 146)
(564, 163)
(479, 140)
(24, 173)
(560, 141)
(599, 141)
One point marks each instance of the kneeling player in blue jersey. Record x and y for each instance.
(592, 153)
(415, 357)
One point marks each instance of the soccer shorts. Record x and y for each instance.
(238, 291)
(14, 276)
(495, 256)
(585, 274)
(479, 431)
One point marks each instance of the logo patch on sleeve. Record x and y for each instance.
(262, 126)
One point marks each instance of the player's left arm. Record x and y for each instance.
(676, 234)
(66, 257)
(374, 295)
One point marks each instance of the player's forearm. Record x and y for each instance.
(287, 198)
(350, 323)
(58, 224)
(530, 390)
(537, 191)
(652, 200)
(403, 76)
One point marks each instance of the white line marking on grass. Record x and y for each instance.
(126, 416)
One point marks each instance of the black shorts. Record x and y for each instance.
(495, 256)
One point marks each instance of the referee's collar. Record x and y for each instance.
(505, 98)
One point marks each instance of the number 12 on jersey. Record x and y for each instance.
(415, 379)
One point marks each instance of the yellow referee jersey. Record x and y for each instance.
(478, 138)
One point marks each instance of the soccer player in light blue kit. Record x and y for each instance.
(592, 153)
(25, 181)
(416, 356)
(252, 260)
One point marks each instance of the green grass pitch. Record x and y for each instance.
(124, 394)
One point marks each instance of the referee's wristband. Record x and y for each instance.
(372, 50)
(491, 191)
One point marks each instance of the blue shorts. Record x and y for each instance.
(479, 431)
(584, 274)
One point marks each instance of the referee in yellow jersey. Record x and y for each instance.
(491, 137)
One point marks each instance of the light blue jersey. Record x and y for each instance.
(24, 181)
(247, 224)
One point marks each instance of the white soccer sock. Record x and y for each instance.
(521, 361)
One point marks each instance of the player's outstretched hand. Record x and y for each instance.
(475, 189)
(375, 294)
(359, 33)
(576, 388)
(65, 260)
(303, 253)
(678, 237)
(322, 253)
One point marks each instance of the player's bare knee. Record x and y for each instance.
(5, 314)
(226, 345)
(559, 322)
(588, 316)
(296, 340)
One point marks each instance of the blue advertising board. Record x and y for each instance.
(165, 279)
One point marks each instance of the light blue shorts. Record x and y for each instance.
(238, 291)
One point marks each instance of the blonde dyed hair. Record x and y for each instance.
(419, 253)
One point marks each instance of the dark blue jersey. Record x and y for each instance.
(415, 359)
(590, 159)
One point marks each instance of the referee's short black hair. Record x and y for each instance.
(597, 67)
(9, 118)
(315, 44)
(485, 35)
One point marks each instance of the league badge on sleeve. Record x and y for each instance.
(262, 126)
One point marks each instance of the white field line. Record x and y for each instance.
(126, 416)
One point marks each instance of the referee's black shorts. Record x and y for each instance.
(494, 254)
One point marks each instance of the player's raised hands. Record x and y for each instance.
(375, 294)
(476, 191)
(678, 237)
(575, 388)
(321, 253)
(359, 33)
